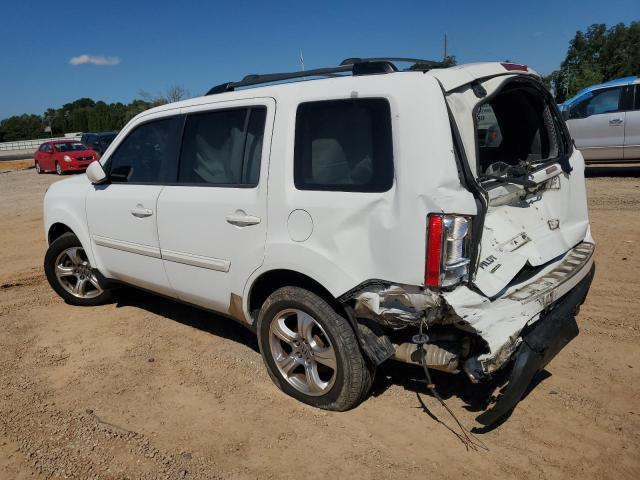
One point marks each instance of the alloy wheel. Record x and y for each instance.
(58, 168)
(38, 169)
(75, 275)
(302, 352)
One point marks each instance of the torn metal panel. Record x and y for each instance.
(500, 322)
(397, 306)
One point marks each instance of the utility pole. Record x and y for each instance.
(445, 47)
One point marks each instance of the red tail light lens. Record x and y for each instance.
(434, 252)
(447, 258)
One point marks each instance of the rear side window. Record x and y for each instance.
(148, 154)
(344, 145)
(223, 148)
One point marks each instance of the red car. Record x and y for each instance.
(62, 156)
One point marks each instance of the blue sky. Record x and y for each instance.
(152, 45)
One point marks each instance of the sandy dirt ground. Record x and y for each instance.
(13, 165)
(148, 388)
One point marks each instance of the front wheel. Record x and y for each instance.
(311, 352)
(59, 170)
(70, 274)
(38, 168)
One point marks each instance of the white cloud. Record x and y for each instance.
(94, 60)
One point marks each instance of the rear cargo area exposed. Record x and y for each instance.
(534, 181)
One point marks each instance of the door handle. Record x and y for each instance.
(616, 121)
(141, 212)
(241, 219)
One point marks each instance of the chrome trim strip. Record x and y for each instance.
(130, 247)
(561, 279)
(196, 260)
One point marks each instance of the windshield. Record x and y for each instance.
(70, 147)
(107, 139)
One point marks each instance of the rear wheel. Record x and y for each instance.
(59, 170)
(38, 169)
(70, 274)
(311, 352)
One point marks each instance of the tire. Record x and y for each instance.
(59, 170)
(325, 339)
(38, 169)
(70, 274)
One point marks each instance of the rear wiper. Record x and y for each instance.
(507, 179)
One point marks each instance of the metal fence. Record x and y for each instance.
(30, 144)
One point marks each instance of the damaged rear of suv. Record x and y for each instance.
(502, 286)
(364, 213)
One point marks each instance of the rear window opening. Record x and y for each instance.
(517, 128)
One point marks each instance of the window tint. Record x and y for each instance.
(148, 154)
(601, 101)
(223, 147)
(344, 145)
(637, 98)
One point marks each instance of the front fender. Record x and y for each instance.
(64, 203)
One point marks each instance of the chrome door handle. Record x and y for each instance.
(141, 212)
(242, 220)
(616, 121)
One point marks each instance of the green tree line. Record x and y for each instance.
(597, 55)
(84, 115)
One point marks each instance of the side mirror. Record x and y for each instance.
(96, 173)
(565, 115)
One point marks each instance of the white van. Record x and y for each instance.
(340, 215)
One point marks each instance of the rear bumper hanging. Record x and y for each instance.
(550, 334)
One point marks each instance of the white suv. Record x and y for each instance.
(340, 217)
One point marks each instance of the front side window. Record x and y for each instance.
(223, 147)
(598, 102)
(344, 145)
(148, 154)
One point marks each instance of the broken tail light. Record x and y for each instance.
(447, 258)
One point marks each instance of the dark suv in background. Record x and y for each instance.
(98, 141)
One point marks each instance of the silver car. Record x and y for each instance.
(604, 120)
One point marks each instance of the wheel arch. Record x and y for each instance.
(56, 231)
(270, 281)
(60, 220)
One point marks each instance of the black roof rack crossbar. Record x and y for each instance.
(278, 77)
(352, 61)
(356, 66)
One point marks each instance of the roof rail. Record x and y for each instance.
(356, 66)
